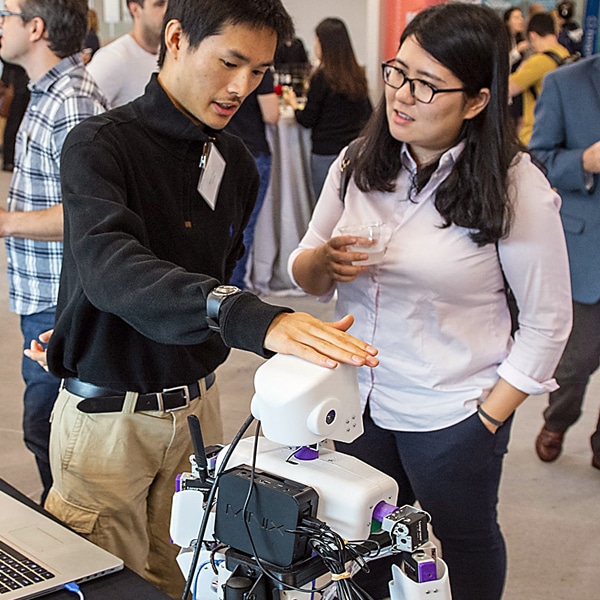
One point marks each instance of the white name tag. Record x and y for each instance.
(212, 167)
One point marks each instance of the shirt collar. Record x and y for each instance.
(446, 162)
(65, 66)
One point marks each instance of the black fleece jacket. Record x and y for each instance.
(143, 250)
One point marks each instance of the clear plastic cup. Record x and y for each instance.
(373, 238)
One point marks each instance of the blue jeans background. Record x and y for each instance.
(319, 167)
(41, 390)
(263, 164)
(454, 473)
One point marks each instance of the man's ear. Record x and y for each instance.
(37, 29)
(173, 38)
(134, 9)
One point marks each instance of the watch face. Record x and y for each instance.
(226, 290)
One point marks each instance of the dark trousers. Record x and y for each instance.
(579, 360)
(41, 390)
(263, 164)
(454, 473)
(319, 167)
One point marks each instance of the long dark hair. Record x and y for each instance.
(519, 36)
(472, 42)
(339, 66)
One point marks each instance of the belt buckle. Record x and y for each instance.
(186, 392)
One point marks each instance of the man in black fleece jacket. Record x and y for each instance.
(149, 236)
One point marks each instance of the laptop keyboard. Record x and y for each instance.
(18, 571)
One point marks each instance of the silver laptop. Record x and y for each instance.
(38, 555)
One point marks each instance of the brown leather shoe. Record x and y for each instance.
(548, 445)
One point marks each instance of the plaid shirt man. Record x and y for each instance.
(63, 97)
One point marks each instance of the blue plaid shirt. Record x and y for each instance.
(60, 99)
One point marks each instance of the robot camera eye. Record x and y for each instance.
(330, 418)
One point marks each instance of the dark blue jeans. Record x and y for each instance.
(454, 473)
(319, 167)
(263, 163)
(41, 390)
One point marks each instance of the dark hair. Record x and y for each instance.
(65, 21)
(542, 24)
(519, 36)
(92, 20)
(470, 41)
(338, 61)
(204, 18)
(565, 10)
(128, 2)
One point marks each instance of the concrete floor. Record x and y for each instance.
(550, 513)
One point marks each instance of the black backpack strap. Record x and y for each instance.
(511, 301)
(347, 168)
(559, 60)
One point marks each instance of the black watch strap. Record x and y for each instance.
(213, 304)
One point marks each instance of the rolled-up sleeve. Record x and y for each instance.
(534, 261)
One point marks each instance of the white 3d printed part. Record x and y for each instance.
(299, 403)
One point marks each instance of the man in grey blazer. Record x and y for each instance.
(566, 138)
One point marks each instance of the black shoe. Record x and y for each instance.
(595, 463)
(8, 167)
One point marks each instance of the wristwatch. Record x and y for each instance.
(213, 303)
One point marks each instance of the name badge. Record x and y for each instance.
(212, 167)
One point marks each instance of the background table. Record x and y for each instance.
(287, 208)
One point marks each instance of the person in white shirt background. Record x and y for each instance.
(123, 68)
(440, 164)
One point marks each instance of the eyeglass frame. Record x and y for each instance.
(410, 80)
(9, 13)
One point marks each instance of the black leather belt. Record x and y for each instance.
(97, 399)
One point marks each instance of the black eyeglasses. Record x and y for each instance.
(421, 91)
(8, 13)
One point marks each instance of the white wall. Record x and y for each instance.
(362, 19)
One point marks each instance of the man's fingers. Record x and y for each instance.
(321, 343)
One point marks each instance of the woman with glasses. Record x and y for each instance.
(440, 165)
(337, 106)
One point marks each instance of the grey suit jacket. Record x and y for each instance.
(567, 121)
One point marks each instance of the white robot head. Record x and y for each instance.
(299, 403)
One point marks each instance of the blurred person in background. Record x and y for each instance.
(519, 47)
(528, 78)
(566, 139)
(91, 43)
(337, 105)
(259, 108)
(290, 52)
(570, 34)
(44, 37)
(123, 68)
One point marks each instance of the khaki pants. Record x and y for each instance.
(114, 477)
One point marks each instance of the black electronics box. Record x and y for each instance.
(275, 509)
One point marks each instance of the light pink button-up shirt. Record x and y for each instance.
(436, 307)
